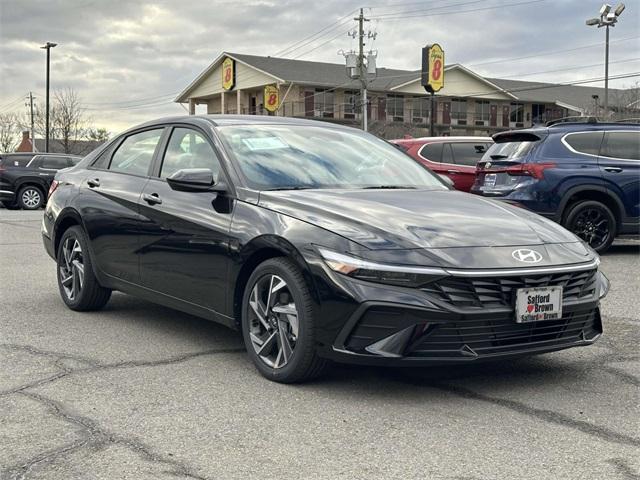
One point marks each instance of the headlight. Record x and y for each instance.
(406, 276)
(603, 285)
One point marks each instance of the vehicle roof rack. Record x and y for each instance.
(629, 120)
(575, 119)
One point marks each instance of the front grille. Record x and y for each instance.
(491, 292)
(474, 337)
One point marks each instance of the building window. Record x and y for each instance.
(323, 102)
(516, 113)
(482, 110)
(351, 103)
(395, 107)
(421, 108)
(459, 108)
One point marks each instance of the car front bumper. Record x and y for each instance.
(398, 326)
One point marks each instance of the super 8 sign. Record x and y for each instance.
(271, 98)
(432, 78)
(228, 73)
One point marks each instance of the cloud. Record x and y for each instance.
(145, 52)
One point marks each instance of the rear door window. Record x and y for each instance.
(467, 153)
(135, 154)
(584, 142)
(432, 152)
(53, 163)
(447, 153)
(621, 145)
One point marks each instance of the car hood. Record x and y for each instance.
(416, 219)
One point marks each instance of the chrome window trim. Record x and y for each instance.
(523, 271)
(6, 191)
(604, 132)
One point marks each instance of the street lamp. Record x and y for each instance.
(48, 46)
(607, 19)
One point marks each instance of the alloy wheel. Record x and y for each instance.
(31, 198)
(71, 267)
(592, 226)
(273, 321)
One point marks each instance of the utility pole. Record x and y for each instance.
(33, 138)
(48, 46)
(361, 68)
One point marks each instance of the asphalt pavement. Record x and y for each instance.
(139, 391)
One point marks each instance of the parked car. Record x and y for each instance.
(454, 157)
(585, 176)
(25, 178)
(318, 242)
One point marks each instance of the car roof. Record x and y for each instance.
(560, 128)
(218, 120)
(442, 139)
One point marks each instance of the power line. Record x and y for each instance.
(457, 12)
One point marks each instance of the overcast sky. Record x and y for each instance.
(128, 59)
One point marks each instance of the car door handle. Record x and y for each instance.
(151, 198)
(453, 171)
(93, 182)
(612, 169)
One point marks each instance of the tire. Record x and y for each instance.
(79, 287)
(593, 222)
(30, 198)
(302, 362)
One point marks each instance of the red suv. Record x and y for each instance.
(455, 157)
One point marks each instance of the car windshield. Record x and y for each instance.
(283, 157)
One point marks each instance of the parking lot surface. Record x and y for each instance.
(143, 392)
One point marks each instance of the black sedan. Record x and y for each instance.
(318, 242)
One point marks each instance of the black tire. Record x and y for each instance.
(303, 363)
(593, 222)
(30, 198)
(91, 295)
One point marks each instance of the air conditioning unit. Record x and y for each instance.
(398, 119)
(481, 123)
(419, 120)
(458, 121)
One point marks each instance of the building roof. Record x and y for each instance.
(325, 74)
(77, 147)
(573, 96)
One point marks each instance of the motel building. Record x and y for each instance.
(469, 104)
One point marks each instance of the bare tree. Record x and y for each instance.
(9, 131)
(67, 119)
(98, 134)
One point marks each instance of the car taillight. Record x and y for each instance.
(535, 170)
(52, 188)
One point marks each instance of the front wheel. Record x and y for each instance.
(79, 287)
(593, 222)
(278, 323)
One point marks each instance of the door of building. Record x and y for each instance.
(505, 115)
(308, 104)
(493, 116)
(446, 113)
(382, 108)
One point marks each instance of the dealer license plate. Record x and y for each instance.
(490, 180)
(538, 304)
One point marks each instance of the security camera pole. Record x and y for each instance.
(48, 46)
(607, 19)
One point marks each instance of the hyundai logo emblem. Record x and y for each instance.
(527, 256)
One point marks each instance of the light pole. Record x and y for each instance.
(607, 19)
(48, 46)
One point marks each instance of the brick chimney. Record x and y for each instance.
(25, 144)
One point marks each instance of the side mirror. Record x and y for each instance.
(446, 180)
(193, 180)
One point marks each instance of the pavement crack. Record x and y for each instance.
(48, 353)
(623, 468)
(95, 436)
(545, 415)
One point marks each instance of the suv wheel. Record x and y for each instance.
(593, 222)
(278, 323)
(79, 287)
(30, 198)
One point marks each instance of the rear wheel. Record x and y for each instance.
(593, 222)
(30, 198)
(278, 323)
(79, 288)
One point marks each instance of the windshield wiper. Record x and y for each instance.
(498, 157)
(288, 188)
(389, 187)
